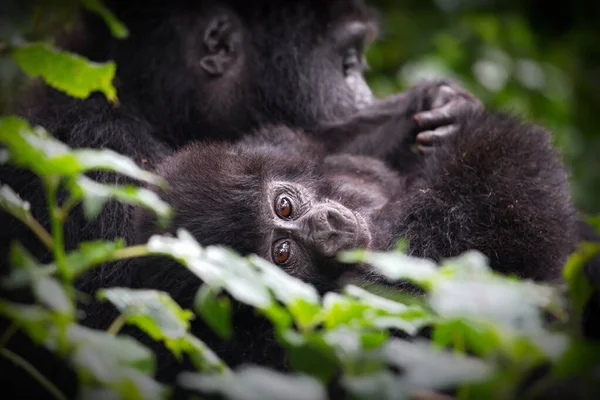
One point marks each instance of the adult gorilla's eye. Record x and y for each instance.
(283, 207)
(351, 60)
(281, 252)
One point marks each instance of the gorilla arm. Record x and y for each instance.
(496, 186)
(388, 128)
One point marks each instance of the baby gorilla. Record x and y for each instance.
(496, 186)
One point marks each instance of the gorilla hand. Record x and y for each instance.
(441, 103)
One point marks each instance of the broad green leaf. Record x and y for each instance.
(311, 354)
(286, 288)
(595, 222)
(154, 312)
(136, 385)
(495, 301)
(427, 368)
(255, 383)
(203, 358)
(579, 287)
(396, 266)
(378, 385)
(90, 254)
(50, 293)
(579, 358)
(71, 73)
(103, 355)
(116, 27)
(95, 196)
(214, 309)
(463, 335)
(33, 319)
(33, 148)
(12, 204)
(215, 266)
(109, 160)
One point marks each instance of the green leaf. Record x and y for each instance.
(463, 335)
(215, 310)
(311, 354)
(108, 160)
(34, 319)
(252, 383)
(579, 358)
(49, 292)
(215, 266)
(103, 355)
(71, 73)
(203, 358)
(33, 148)
(116, 27)
(95, 196)
(90, 254)
(579, 287)
(154, 312)
(12, 204)
(426, 368)
(378, 385)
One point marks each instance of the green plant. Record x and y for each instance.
(489, 331)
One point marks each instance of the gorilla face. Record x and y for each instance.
(305, 227)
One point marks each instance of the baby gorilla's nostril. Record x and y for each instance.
(332, 228)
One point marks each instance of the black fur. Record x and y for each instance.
(496, 186)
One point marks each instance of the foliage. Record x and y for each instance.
(488, 331)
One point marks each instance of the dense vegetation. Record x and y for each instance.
(488, 331)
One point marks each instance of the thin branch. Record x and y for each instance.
(40, 232)
(116, 325)
(8, 333)
(34, 373)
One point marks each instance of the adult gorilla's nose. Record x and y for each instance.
(331, 227)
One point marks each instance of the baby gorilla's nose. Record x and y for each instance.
(331, 227)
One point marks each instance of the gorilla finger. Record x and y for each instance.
(444, 95)
(435, 136)
(425, 149)
(436, 117)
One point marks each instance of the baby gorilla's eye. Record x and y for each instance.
(281, 252)
(283, 207)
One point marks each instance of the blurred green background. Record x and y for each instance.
(534, 57)
(538, 58)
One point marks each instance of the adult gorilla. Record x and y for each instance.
(203, 69)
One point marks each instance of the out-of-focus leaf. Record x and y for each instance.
(103, 355)
(203, 358)
(116, 27)
(34, 320)
(579, 287)
(395, 265)
(311, 354)
(462, 335)
(215, 309)
(71, 73)
(427, 368)
(89, 254)
(13, 204)
(378, 385)
(95, 196)
(109, 160)
(216, 266)
(49, 292)
(153, 312)
(579, 358)
(255, 383)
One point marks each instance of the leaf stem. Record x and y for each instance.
(116, 325)
(34, 373)
(56, 223)
(39, 231)
(129, 252)
(8, 333)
